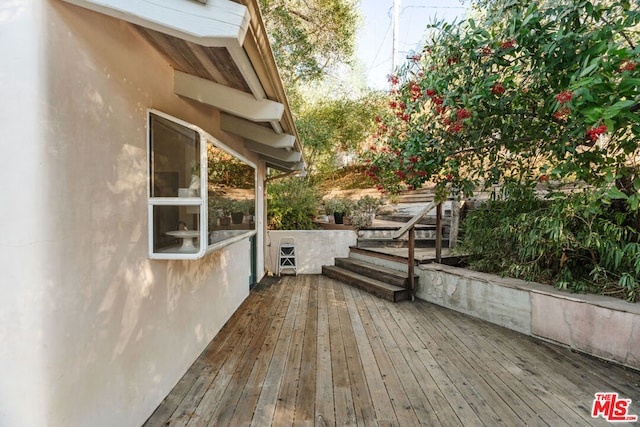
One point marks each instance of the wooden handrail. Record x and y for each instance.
(410, 227)
(413, 221)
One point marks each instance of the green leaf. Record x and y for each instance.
(593, 113)
(616, 194)
(628, 84)
(589, 69)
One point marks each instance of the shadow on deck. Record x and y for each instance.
(309, 350)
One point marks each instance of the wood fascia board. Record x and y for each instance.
(215, 23)
(254, 132)
(226, 99)
(279, 154)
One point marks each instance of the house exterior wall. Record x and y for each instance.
(92, 331)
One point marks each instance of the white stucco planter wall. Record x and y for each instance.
(602, 326)
(314, 248)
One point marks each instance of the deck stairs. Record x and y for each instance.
(374, 264)
(366, 271)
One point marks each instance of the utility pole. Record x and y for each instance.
(394, 57)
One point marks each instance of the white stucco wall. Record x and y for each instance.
(314, 248)
(92, 332)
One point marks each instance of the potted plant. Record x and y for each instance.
(226, 206)
(236, 208)
(339, 208)
(365, 212)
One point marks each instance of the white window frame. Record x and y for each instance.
(201, 202)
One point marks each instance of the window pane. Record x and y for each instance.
(231, 195)
(175, 159)
(176, 229)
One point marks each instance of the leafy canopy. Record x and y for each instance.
(528, 92)
(308, 37)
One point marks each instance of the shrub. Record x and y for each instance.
(292, 204)
(580, 242)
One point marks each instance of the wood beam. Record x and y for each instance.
(275, 153)
(283, 166)
(229, 100)
(253, 132)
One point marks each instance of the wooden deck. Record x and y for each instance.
(309, 350)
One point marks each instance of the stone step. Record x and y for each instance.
(388, 234)
(425, 221)
(400, 243)
(373, 286)
(384, 274)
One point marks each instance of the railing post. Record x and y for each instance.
(439, 233)
(411, 261)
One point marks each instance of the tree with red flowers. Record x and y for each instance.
(531, 90)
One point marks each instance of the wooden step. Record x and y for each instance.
(376, 287)
(384, 274)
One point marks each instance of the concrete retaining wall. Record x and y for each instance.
(602, 326)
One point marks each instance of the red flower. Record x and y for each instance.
(497, 89)
(594, 133)
(544, 178)
(437, 100)
(378, 119)
(486, 50)
(413, 159)
(393, 104)
(457, 127)
(508, 44)
(406, 117)
(414, 89)
(627, 66)
(400, 174)
(393, 79)
(463, 114)
(416, 58)
(430, 92)
(563, 113)
(449, 177)
(452, 60)
(564, 97)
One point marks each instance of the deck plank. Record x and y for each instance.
(284, 413)
(309, 350)
(384, 412)
(359, 389)
(325, 406)
(342, 397)
(306, 396)
(216, 397)
(418, 403)
(265, 408)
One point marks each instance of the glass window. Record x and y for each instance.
(231, 195)
(201, 196)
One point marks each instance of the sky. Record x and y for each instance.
(375, 39)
